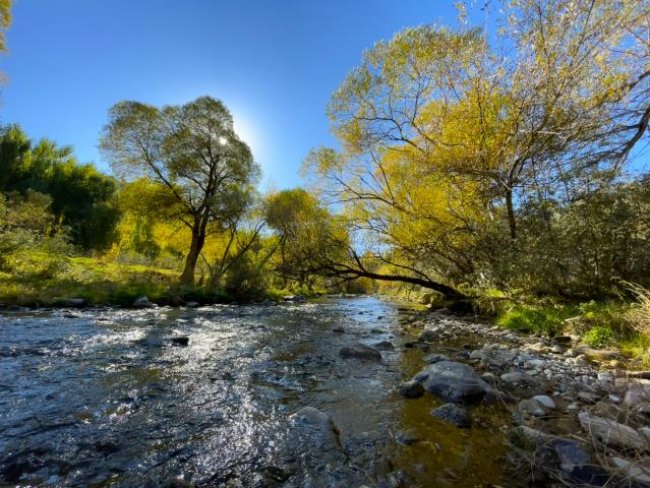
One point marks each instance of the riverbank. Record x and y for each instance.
(579, 414)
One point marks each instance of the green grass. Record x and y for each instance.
(599, 324)
(98, 282)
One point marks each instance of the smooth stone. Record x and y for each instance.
(453, 414)
(360, 351)
(513, 377)
(384, 346)
(530, 407)
(435, 358)
(552, 453)
(612, 433)
(630, 470)
(143, 302)
(338, 330)
(545, 400)
(453, 382)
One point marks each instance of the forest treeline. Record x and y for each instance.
(472, 162)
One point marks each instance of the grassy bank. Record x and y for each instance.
(97, 282)
(614, 323)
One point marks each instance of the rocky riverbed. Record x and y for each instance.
(338, 393)
(579, 417)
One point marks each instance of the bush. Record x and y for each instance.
(599, 336)
(538, 320)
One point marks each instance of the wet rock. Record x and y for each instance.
(407, 437)
(512, 378)
(411, 389)
(360, 351)
(545, 401)
(453, 382)
(192, 304)
(612, 433)
(181, 341)
(453, 414)
(143, 302)
(338, 330)
(435, 358)
(529, 407)
(429, 335)
(384, 346)
(293, 298)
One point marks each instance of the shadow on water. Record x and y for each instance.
(106, 398)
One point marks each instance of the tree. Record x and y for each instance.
(446, 132)
(82, 199)
(5, 21)
(191, 153)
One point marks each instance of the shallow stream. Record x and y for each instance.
(105, 397)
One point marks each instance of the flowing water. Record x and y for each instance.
(105, 398)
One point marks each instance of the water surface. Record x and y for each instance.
(105, 398)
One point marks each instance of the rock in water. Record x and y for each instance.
(143, 302)
(360, 351)
(411, 389)
(453, 382)
(454, 414)
(181, 340)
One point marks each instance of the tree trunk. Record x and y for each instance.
(512, 223)
(198, 239)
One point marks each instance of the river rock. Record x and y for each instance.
(143, 302)
(551, 453)
(612, 433)
(384, 346)
(629, 470)
(181, 340)
(411, 389)
(528, 407)
(429, 335)
(453, 382)
(453, 414)
(293, 298)
(360, 351)
(512, 378)
(435, 358)
(545, 401)
(637, 393)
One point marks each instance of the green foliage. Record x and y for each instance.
(547, 320)
(599, 336)
(82, 200)
(192, 156)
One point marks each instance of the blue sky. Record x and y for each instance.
(273, 62)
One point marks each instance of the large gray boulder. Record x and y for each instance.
(453, 382)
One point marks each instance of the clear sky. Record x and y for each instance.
(273, 62)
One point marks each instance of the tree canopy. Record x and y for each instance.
(193, 156)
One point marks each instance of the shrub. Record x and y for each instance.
(599, 336)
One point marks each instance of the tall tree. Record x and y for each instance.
(192, 153)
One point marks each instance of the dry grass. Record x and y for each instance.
(639, 314)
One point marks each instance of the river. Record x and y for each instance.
(105, 397)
